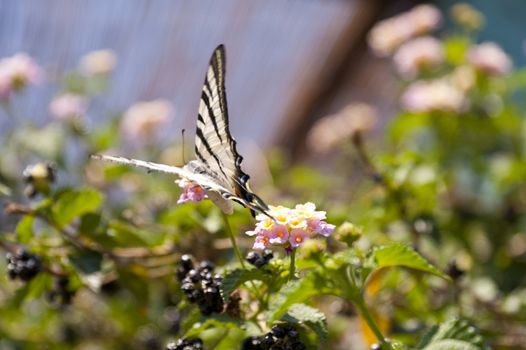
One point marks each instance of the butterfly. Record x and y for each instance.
(218, 165)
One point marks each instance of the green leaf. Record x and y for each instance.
(24, 229)
(402, 255)
(70, 205)
(237, 277)
(296, 292)
(311, 317)
(31, 290)
(87, 262)
(456, 334)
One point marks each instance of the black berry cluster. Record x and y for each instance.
(23, 265)
(281, 337)
(186, 344)
(61, 292)
(200, 285)
(258, 260)
(38, 178)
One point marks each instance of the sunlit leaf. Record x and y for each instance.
(72, 204)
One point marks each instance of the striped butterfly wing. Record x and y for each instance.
(215, 147)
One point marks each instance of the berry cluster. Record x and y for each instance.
(23, 265)
(38, 177)
(61, 293)
(258, 260)
(186, 344)
(200, 285)
(281, 337)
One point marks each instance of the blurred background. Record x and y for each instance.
(289, 62)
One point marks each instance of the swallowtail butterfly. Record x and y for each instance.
(218, 165)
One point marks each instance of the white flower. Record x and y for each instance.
(98, 62)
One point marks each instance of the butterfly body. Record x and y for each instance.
(218, 165)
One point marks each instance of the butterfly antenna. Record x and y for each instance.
(182, 134)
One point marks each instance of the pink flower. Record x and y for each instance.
(262, 241)
(333, 129)
(192, 192)
(418, 54)
(297, 237)
(435, 95)
(389, 34)
(290, 227)
(279, 234)
(490, 58)
(142, 120)
(17, 72)
(68, 106)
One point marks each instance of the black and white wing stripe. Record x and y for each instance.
(214, 145)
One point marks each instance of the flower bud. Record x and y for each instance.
(38, 177)
(313, 248)
(348, 233)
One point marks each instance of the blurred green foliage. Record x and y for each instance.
(444, 200)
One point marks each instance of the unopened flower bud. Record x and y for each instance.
(313, 248)
(38, 177)
(467, 16)
(348, 233)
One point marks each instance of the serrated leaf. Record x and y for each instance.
(296, 292)
(233, 279)
(402, 255)
(70, 205)
(456, 334)
(24, 229)
(223, 321)
(311, 317)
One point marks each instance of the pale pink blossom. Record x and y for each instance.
(418, 54)
(100, 62)
(490, 58)
(387, 35)
(192, 192)
(435, 95)
(289, 228)
(334, 129)
(68, 106)
(17, 72)
(142, 120)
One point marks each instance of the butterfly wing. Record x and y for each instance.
(214, 145)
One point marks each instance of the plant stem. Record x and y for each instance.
(360, 302)
(292, 270)
(239, 256)
(233, 239)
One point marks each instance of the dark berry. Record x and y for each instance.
(194, 276)
(267, 254)
(206, 265)
(268, 340)
(252, 343)
(278, 332)
(186, 262)
(188, 288)
(252, 257)
(23, 265)
(293, 334)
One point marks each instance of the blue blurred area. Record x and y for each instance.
(505, 24)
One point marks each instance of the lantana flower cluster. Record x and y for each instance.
(192, 192)
(290, 228)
